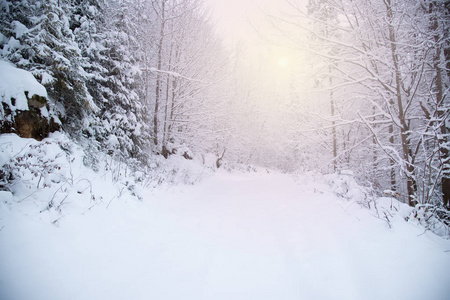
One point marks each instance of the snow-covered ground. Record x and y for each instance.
(232, 236)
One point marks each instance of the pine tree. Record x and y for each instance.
(48, 49)
(114, 81)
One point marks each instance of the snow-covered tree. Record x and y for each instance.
(386, 63)
(48, 49)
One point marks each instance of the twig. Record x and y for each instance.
(29, 195)
(426, 229)
(387, 219)
(58, 208)
(20, 150)
(93, 205)
(110, 201)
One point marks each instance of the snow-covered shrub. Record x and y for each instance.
(174, 170)
(432, 217)
(34, 164)
(50, 176)
(345, 186)
(30, 165)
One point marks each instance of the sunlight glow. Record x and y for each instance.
(283, 62)
(271, 69)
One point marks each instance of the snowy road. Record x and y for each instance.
(230, 237)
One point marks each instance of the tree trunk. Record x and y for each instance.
(158, 75)
(166, 136)
(391, 161)
(411, 185)
(442, 140)
(333, 122)
(333, 131)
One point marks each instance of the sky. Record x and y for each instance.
(237, 19)
(245, 24)
(267, 61)
(249, 22)
(232, 16)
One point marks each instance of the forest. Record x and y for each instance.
(153, 93)
(135, 79)
(138, 78)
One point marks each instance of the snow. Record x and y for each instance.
(46, 78)
(19, 29)
(347, 172)
(3, 39)
(234, 236)
(10, 46)
(14, 83)
(113, 142)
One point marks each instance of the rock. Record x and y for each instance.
(30, 124)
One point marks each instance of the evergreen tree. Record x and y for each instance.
(46, 46)
(114, 82)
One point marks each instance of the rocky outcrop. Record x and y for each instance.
(24, 106)
(28, 123)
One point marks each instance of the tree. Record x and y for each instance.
(325, 19)
(48, 49)
(183, 80)
(382, 60)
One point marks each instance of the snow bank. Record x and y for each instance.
(48, 179)
(55, 177)
(429, 217)
(176, 170)
(16, 84)
(345, 186)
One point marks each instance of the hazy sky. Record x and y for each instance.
(247, 20)
(245, 28)
(233, 17)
